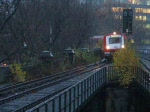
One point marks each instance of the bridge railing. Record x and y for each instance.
(143, 78)
(144, 51)
(70, 99)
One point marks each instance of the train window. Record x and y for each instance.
(114, 40)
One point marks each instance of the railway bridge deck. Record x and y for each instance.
(73, 97)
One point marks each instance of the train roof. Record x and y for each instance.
(115, 34)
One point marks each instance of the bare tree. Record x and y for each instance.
(7, 11)
(52, 25)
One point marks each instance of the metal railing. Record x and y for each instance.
(72, 98)
(144, 51)
(143, 78)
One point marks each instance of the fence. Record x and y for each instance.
(72, 98)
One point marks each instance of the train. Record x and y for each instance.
(111, 43)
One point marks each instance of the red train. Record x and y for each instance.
(112, 42)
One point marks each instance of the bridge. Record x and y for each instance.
(73, 97)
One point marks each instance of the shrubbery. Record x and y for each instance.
(86, 57)
(47, 67)
(18, 74)
(125, 60)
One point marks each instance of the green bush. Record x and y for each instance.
(125, 60)
(86, 57)
(18, 74)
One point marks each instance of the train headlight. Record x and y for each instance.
(114, 33)
(122, 46)
(107, 47)
(5, 64)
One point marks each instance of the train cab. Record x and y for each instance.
(113, 42)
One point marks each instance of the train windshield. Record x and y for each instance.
(114, 40)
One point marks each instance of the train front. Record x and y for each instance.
(113, 42)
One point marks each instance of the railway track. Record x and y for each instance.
(146, 66)
(18, 88)
(145, 60)
(28, 94)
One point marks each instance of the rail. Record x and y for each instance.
(143, 50)
(71, 99)
(144, 54)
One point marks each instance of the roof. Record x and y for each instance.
(46, 54)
